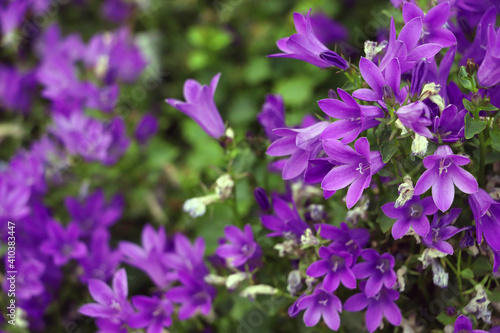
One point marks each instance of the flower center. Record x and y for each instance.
(415, 211)
(337, 262)
(323, 299)
(383, 265)
(246, 249)
(443, 167)
(115, 305)
(362, 168)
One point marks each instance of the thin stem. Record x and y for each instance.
(459, 278)
(482, 159)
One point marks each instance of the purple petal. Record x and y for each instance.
(400, 228)
(100, 291)
(356, 190)
(340, 177)
(373, 285)
(410, 11)
(372, 75)
(356, 303)
(463, 179)
(318, 268)
(443, 192)
(312, 315)
(331, 318)
(410, 34)
(437, 16)
(373, 317)
(120, 285)
(428, 178)
(392, 313)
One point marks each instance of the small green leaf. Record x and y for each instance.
(473, 126)
(464, 79)
(385, 222)
(489, 107)
(493, 296)
(387, 150)
(467, 273)
(495, 139)
(468, 105)
(444, 319)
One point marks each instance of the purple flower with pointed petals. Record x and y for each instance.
(433, 22)
(146, 128)
(443, 172)
(154, 313)
(301, 144)
(354, 118)
(305, 46)
(416, 116)
(463, 325)
(101, 262)
(63, 245)
(450, 125)
(379, 269)
(187, 258)
(320, 303)
(488, 73)
(286, 222)
(272, 115)
(412, 214)
(335, 266)
(382, 86)
(29, 283)
(486, 213)
(477, 50)
(200, 106)
(441, 230)
(11, 16)
(327, 30)
(378, 305)
(13, 200)
(111, 303)
(356, 168)
(194, 295)
(241, 249)
(345, 239)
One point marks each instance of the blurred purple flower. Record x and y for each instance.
(272, 115)
(463, 325)
(442, 172)
(200, 106)
(327, 30)
(11, 16)
(286, 222)
(13, 200)
(486, 213)
(154, 313)
(335, 266)
(186, 259)
(441, 230)
(261, 198)
(146, 128)
(63, 244)
(116, 10)
(305, 46)
(488, 73)
(379, 269)
(17, 89)
(119, 140)
(241, 250)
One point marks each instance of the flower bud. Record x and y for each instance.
(224, 186)
(261, 198)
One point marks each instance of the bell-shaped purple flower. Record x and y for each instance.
(153, 313)
(488, 73)
(463, 325)
(382, 304)
(241, 248)
(344, 238)
(305, 46)
(327, 30)
(187, 258)
(412, 214)
(272, 115)
(443, 172)
(449, 126)
(286, 222)
(442, 230)
(146, 128)
(353, 117)
(200, 106)
(416, 116)
(355, 168)
(320, 303)
(379, 269)
(335, 266)
(486, 213)
(63, 244)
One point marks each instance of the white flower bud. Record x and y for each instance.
(215, 279)
(294, 282)
(405, 192)
(195, 207)
(259, 289)
(439, 275)
(308, 238)
(429, 255)
(224, 186)
(372, 48)
(400, 273)
(419, 145)
(479, 305)
(402, 127)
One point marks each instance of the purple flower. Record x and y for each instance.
(261, 198)
(11, 17)
(200, 106)
(385, 86)
(378, 305)
(379, 269)
(146, 128)
(272, 115)
(194, 295)
(449, 126)
(63, 245)
(17, 89)
(13, 200)
(119, 140)
(344, 235)
(286, 222)
(354, 118)
(154, 313)
(29, 280)
(442, 172)
(241, 250)
(463, 325)
(327, 30)
(300, 143)
(486, 213)
(412, 214)
(320, 303)
(116, 10)
(305, 46)
(416, 116)
(111, 303)
(477, 50)
(441, 230)
(187, 259)
(336, 266)
(488, 73)
(433, 22)
(356, 167)
(26, 169)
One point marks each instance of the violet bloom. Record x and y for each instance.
(442, 230)
(379, 269)
(433, 22)
(63, 244)
(450, 125)
(327, 30)
(385, 86)
(29, 279)
(301, 144)
(200, 106)
(354, 118)
(112, 303)
(463, 325)
(241, 250)
(305, 46)
(286, 221)
(412, 214)
(11, 16)
(13, 200)
(153, 313)
(193, 295)
(187, 258)
(356, 168)
(320, 303)
(261, 198)
(335, 266)
(146, 128)
(378, 305)
(442, 173)
(416, 116)
(116, 10)
(488, 73)
(272, 115)
(477, 50)
(486, 213)
(344, 238)
(119, 140)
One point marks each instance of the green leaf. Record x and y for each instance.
(464, 79)
(493, 296)
(444, 319)
(468, 105)
(489, 107)
(467, 273)
(495, 139)
(473, 126)
(387, 150)
(385, 222)
(481, 266)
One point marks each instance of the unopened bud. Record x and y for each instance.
(224, 186)
(308, 239)
(372, 48)
(405, 192)
(419, 145)
(260, 289)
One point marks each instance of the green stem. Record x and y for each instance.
(482, 159)
(459, 278)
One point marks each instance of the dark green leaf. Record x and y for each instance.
(467, 273)
(388, 149)
(495, 139)
(489, 107)
(444, 319)
(385, 222)
(473, 126)
(468, 105)
(464, 79)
